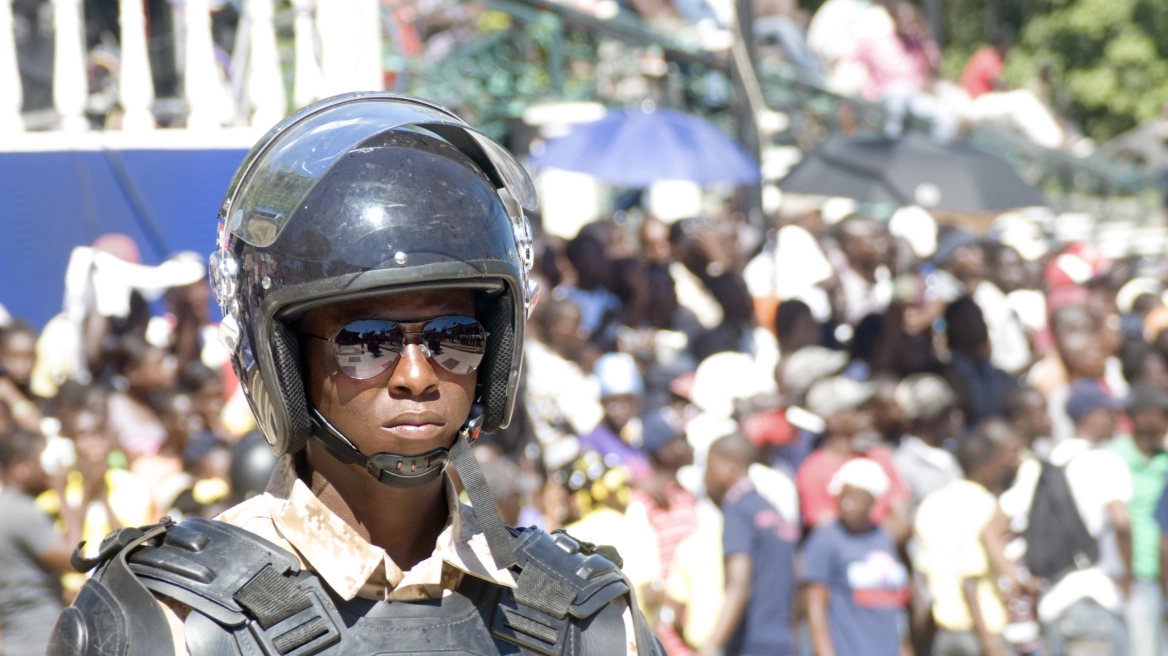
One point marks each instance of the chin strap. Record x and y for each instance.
(397, 470)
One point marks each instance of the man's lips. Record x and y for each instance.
(419, 425)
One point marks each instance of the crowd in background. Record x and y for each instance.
(838, 437)
(881, 51)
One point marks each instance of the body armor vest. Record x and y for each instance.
(248, 597)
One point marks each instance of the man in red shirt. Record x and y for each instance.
(845, 408)
(984, 71)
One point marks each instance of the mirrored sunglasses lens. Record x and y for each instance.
(365, 349)
(457, 344)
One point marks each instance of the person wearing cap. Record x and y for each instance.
(930, 407)
(758, 545)
(1101, 486)
(621, 389)
(660, 502)
(844, 406)
(967, 611)
(1143, 452)
(855, 586)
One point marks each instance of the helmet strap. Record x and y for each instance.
(401, 471)
(391, 469)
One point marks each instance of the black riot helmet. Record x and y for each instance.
(360, 195)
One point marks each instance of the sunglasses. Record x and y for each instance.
(368, 348)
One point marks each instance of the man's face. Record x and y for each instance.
(852, 423)
(157, 370)
(413, 407)
(865, 243)
(655, 247)
(968, 262)
(1149, 427)
(1037, 419)
(855, 505)
(721, 475)
(17, 356)
(1098, 425)
(1009, 459)
(564, 329)
(619, 409)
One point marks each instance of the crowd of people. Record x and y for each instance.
(883, 52)
(838, 440)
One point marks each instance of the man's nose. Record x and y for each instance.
(414, 373)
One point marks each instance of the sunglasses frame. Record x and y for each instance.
(405, 336)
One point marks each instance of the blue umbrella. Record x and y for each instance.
(635, 148)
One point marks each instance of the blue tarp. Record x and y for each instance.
(52, 201)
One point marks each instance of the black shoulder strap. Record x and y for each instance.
(114, 614)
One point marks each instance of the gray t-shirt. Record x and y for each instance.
(30, 593)
(925, 468)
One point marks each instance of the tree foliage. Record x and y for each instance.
(1106, 60)
(1109, 58)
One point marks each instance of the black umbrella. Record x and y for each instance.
(910, 170)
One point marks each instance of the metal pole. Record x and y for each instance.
(745, 112)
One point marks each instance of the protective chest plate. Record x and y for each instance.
(248, 597)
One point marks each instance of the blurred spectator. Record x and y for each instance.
(1083, 605)
(598, 496)
(983, 72)
(865, 284)
(563, 401)
(621, 389)
(1025, 409)
(669, 509)
(1143, 452)
(970, 617)
(930, 406)
(17, 358)
(209, 396)
(758, 544)
(856, 586)
(843, 405)
(598, 306)
(708, 283)
(100, 488)
(32, 554)
(794, 266)
(978, 383)
(145, 369)
(796, 327)
(962, 256)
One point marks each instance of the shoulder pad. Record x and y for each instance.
(204, 564)
(587, 579)
(113, 614)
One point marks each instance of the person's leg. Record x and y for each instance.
(1143, 618)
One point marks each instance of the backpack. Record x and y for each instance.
(1057, 540)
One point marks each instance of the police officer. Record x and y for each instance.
(374, 287)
